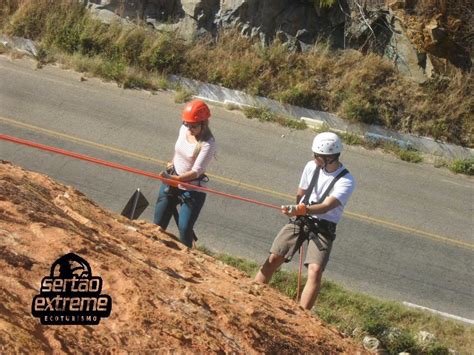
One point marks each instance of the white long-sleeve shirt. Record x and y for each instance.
(183, 159)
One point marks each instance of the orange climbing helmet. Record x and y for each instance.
(196, 111)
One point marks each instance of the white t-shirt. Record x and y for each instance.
(184, 161)
(342, 189)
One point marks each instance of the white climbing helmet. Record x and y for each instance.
(327, 143)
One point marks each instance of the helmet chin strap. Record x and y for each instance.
(328, 161)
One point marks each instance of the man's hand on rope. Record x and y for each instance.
(294, 210)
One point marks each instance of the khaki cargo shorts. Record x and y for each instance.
(285, 241)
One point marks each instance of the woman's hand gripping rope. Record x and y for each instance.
(171, 180)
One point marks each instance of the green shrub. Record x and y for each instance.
(165, 54)
(436, 349)
(97, 38)
(238, 74)
(375, 326)
(67, 38)
(112, 70)
(358, 109)
(403, 342)
(41, 53)
(261, 113)
(130, 44)
(135, 80)
(410, 156)
(462, 166)
(64, 25)
(391, 146)
(299, 95)
(264, 114)
(292, 123)
(351, 138)
(106, 39)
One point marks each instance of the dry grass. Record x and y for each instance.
(182, 95)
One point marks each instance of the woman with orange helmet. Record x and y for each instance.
(194, 150)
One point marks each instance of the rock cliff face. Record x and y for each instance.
(165, 298)
(419, 36)
(298, 22)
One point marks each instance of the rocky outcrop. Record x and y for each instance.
(300, 22)
(439, 34)
(381, 26)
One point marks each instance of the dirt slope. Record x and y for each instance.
(165, 298)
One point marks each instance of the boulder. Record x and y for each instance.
(371, 343)
(403, 53)
(425, 338)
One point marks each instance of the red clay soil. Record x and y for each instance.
(166, 298)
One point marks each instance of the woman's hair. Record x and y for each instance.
(205, 136)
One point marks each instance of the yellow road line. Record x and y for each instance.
(399, 227)
(227, 181)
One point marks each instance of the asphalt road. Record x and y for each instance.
(407, 234)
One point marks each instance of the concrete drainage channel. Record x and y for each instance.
(222, 96)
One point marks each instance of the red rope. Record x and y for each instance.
(300, 268)
(129, 169)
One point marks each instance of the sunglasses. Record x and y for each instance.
(191, 125)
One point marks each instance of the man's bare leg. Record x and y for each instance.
(265, 273)
(312, 287)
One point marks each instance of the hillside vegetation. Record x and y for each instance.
(356, 86)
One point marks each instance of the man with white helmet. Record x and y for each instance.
(324, 190)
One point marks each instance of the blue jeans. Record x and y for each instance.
(191, 204)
